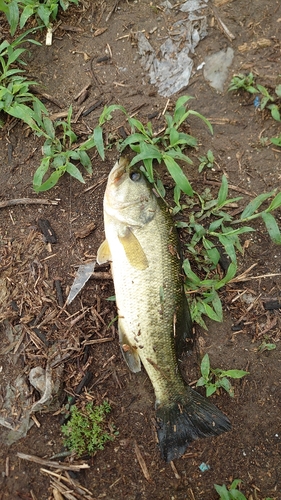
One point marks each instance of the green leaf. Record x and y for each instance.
(22, 112)
(50, 182)
(201, 382)
(190, 274)
(211, 250)
(255, 204)
(44, 14)
(235, 373)
(195, 113)
(237, 495)
(85, 161)
(132, 139)
(27, 12)
(222, 491)
(228, 246)
(174, 136)
(205, 366)
(231, 272)
(148, 169)
(98, 138)
(176, 172)
(187, 140)
(276, 141)
(139, 126)
(210, 389)
(226, 385)
(223, 191)
(217, 305)
(107, 110)
(278, 90)
(40, 172)
(13, 16)
(74, 172)
(209, 311)
(177, 154)
(276, 203)
(182, 101)
(216, 224)
(49, 127)
(275, 113)
(147, 151)
(272, 227)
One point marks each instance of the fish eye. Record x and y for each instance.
(135, 176)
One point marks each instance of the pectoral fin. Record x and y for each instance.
(133, 250)
(130, 353)
(103, 254)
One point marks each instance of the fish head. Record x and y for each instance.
(128, 195)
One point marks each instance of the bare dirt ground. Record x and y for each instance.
(251, 451)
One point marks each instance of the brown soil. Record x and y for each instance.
(251, 451)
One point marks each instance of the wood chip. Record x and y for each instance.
(100, 31)
(258, 44)
(85, 230)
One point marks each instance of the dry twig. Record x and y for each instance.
(142, 463)
(49, 463)
(27, 201)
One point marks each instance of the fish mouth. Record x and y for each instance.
(121, 167)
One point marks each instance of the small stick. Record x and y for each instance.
(27, 201)
(33, 495)
(97, 341)
(81, 91)
(94, 186)
(177, 476)
(35, 90)
(49, 463)
(231, 186)
(166, 105)
(226, 31)
(111, 12)
(142, 463)
(65, 479)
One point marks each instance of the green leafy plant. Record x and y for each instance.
(271, 102)
(214, 378)
(206, 161)
(85, 430)
(19, 11)
(168, 147)
(232, 493)
(15, 96)
(60, 150)
(214, 237)
(266, 346)
(245, 82)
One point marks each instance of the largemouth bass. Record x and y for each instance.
(153, 316)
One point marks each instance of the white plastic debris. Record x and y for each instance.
(216, 68)
(170, 68)
(83, 274)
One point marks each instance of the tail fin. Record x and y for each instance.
(187, 419)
